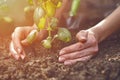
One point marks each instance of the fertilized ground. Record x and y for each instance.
(42, 64)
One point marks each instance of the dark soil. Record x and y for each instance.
(42, 64)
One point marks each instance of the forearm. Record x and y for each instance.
(107, 26)
(60, 11)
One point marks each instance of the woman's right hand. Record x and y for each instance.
(83, 50)
(19, 40)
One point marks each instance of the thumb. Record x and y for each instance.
(82, 36)
(25, 42)
(31, 37)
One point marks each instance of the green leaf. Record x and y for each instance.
(31, 36)
(50, 8)
(64, 34)
(47, 43)
(38, 13)
(53, 23)
(42, 22)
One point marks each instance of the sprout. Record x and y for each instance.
(47, 43)
(53, 23)
(44, 19)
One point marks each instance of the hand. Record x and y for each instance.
(19, 40)
(80, 51)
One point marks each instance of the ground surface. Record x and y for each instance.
(42, 64)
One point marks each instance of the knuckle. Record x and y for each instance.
(80, 46)
(95, 50)
(17, 29)
(80, 33)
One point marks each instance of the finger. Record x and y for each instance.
(72, 48)
(22, 55)
(90, 47)
(82, 36)
(25, 42)
(79, 46)
(38, 37)
(16, 37)
(13, 52)
(17, 46)
(83, 59)
(78, 54)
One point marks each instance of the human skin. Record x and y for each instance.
(88, 40)
(19, 40)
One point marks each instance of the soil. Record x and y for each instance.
(42, 64)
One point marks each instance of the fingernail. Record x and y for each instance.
(61, 52)
(67, 63)
(22, 57)
(16, 57)
(61, 59)
(19, 50)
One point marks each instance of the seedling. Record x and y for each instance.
(44, 18)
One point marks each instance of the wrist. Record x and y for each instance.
(94, 32)
(101, 30)
(98, 30)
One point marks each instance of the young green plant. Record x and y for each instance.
(44, 19)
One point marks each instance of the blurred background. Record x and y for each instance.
(12, 14)
(90, 13)
(15, 13)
